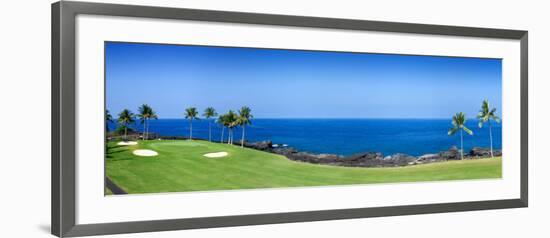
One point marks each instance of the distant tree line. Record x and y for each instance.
(229, 120)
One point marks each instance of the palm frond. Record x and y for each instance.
(108, 116)
(485, 114)
(126, 117)
(191, 113)
(153, 114)
(209, 112)
(480, 115)
(459, 121)
(146, 112)
(467, 130)
(452, 131)
(244, 116)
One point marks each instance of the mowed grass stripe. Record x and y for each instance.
(181, 166)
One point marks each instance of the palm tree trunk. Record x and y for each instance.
(126, 133)
(143, 133)
(461, 146)
(209, 131)
(190, 129)
(242, 139)
(147, 133)
(491, 137)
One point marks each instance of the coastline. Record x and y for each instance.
(371, 159)
(367, 159)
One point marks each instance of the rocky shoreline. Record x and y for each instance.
(370, 159)
(366, 159)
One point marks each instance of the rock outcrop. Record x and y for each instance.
(370, 159)
(451, 154)
(483, 152)
(260, 145)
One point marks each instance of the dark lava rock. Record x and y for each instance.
(368, 159)
(260, 145)
(480, 152)
(483, 152)
(399, 159)
(173, 138)
(328, 158)
(304, 157)
(451, 154)
(284, 150)
(365, 156)
(428, 158)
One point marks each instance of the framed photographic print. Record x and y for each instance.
(167, 118)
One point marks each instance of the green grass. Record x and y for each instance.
(181, 166)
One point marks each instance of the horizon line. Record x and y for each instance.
(347, 118)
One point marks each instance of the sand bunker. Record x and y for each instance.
(127, 143)
(145, 153)
(216, 155)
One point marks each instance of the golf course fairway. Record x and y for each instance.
(181, 166)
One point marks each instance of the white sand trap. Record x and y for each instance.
(145, 153)
(127, 143)
(216, 155)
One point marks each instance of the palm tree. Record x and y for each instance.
(191, 114)
(459, 121)
(243, 120)
(125, 118)
(108, 118)
(231, 122)
(209, 112)
(222, 121)
(486, 115)
(152, 115)
(145, 114)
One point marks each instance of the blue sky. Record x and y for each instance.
(297, 84)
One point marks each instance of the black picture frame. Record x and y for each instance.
(64, 133)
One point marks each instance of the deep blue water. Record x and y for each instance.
(344, 136)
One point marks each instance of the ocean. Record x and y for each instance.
(343, 136)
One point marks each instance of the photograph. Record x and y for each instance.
(190, 118)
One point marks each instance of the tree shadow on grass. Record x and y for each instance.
(112, 150)
(115, 146)
(111, 155)
(118, 159)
